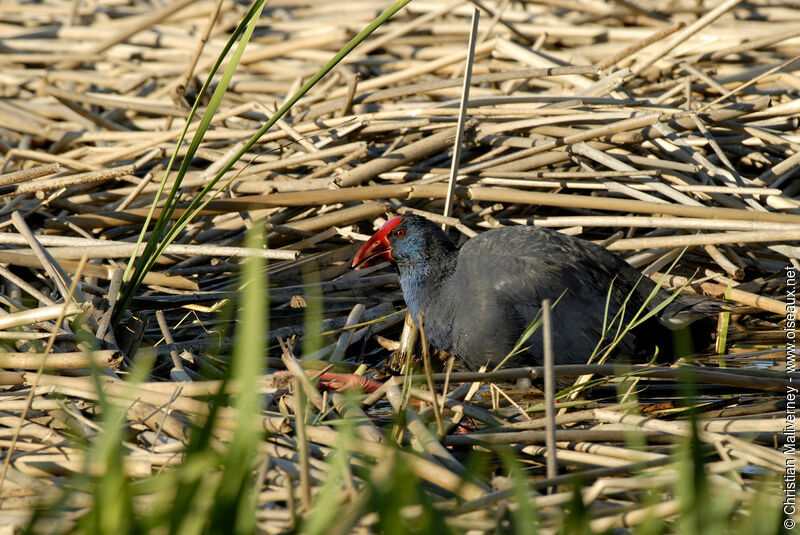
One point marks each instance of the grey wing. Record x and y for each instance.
(543, 265)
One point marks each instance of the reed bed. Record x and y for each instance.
(663, 131)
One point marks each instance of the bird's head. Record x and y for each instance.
(406, 239)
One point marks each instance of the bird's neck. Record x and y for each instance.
(422, 283)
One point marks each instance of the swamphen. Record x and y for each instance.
(478, 299)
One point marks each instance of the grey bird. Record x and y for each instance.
(477, 300)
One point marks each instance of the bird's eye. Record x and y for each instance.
(400, 232)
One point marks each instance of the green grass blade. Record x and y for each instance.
(199, 202)
(162, 221)
(161, 237)
(235, 501)
(722, 340)
(154, 249)
(112, 498)
(524, 518)
(533, 326)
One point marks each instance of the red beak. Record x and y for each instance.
(377, 248)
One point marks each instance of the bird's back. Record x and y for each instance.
(502, 276)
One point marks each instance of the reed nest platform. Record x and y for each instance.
(666, 131)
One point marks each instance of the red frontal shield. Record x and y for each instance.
(376, 249)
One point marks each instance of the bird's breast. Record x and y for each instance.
(436, 307)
